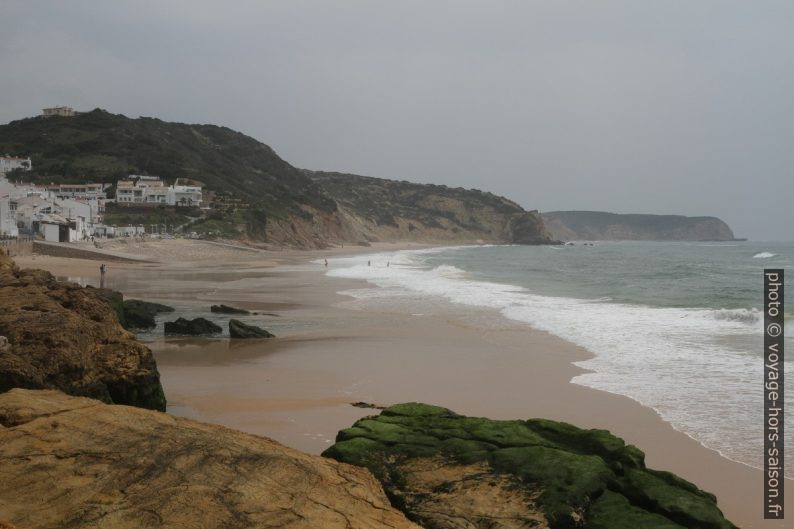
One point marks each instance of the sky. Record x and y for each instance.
(666, 106)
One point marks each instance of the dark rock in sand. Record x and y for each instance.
(140, 314)
(225, 309)
(63, 336)
(446, 470)
(194, 327)
(367, 405)
(238, 329)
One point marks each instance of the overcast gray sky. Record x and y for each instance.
(666, 106)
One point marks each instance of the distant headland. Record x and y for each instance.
(603, 226)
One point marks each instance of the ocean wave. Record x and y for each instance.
(664, 357)
(449, 271)
(764, 255)
(750, 316)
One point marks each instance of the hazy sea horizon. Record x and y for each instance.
(676, 326)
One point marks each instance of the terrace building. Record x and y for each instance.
(152, 191)
(83, 191)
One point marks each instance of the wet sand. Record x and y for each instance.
(298, 388)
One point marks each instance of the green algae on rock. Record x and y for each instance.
(541, 473)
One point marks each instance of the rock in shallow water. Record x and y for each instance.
(194, 327)
(238, 329)
(77, 463)
(446, 470)
(226, 309)
(140, 314)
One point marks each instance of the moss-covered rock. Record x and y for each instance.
(561, 475)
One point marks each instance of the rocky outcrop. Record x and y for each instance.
(450, 471)
(140, 314)
(238, 329)
(226, 309)
(601, 226)
(194, 327)
(66, 337)
(69, 463)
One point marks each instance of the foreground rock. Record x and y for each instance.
(226, 309)
(62, 336)
(194, 327)
(140, 314)
(238, 329)
(77, 463)
(449, 471)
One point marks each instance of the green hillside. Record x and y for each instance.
(272, 201)
(105, 147)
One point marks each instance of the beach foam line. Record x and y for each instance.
(669, 359)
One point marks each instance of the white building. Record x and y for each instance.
(184, 195)
(78, 215)
(152, 191)
(54, 228)
(57, 111)
(84, 191)
(9, 163)
(28, 209)
(8, 217)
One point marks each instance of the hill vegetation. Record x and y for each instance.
(276, 203)
(105, 147)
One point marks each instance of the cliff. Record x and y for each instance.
(601, 226)
(70, 462)
(277, 203)
(374, 209)
(447, 471)
(62, 336)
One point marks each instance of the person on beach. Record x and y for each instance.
(102, 270)
(326, 262)
(388, 263)
(369, 263)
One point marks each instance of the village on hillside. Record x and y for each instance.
(75, 212)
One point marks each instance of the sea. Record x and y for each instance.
(676, 326)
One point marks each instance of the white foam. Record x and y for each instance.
(682, 362)
(764, 255)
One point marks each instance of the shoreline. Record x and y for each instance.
(313, 372)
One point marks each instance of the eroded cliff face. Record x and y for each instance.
(601, 226)
(448, 471)
(69, 462)
(377, 210)
(63, 336)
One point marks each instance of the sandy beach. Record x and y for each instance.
(298, 387)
